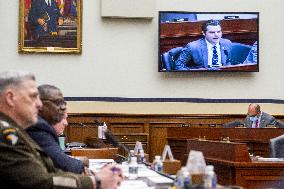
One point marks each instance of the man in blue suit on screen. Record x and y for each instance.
(209, 52)
(45, 16)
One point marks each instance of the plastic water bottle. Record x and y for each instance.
(130, 155)
(210, 178)
(133, 169)
(141, 156)
(158, 164)
(183, 179)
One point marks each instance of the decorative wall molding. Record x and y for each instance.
(192, 100)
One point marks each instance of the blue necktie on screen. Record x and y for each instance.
(215, 56)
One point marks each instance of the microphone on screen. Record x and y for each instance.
(226, 52)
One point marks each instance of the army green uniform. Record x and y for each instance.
(23, 164)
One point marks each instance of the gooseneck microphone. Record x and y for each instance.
(113, 140)
(227, 55)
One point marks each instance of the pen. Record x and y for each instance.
(115, 169)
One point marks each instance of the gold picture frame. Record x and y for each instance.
(50, 26)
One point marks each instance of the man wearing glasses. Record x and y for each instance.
(44, 132)
(256, 119)
(259, 119)
(23, 163)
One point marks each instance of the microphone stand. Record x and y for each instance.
(111, 139)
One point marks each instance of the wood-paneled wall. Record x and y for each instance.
(150, 129)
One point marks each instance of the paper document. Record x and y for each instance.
(134, 184)
(96, 164)
(270, 159)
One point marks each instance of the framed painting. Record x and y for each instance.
(50, 26)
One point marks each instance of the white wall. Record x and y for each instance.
(120, 56)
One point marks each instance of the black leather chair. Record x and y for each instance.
(168, 58)
(276, 146)
(239, 53)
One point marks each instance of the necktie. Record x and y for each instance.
(256, 124)
(215, 56)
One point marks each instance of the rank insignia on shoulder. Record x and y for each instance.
(10, 135)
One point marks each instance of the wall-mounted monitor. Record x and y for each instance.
(208, 41)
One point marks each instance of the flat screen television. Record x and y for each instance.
(208, 41)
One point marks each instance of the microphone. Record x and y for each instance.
(233, 124)
(120, 158)
(226, 52)
(112, 139)
(227, 55)
(165, 175)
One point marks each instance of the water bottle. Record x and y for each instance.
(210, 178)
(141, 156)
(130, 155)
(183, 179)
(133, 169)
(104, 129)
(158, 164)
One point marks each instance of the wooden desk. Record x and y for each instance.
(95, 153)
(256, 139)
(233, 165)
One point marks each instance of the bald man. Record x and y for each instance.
(256, 119)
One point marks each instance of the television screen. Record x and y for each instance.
(208, 41)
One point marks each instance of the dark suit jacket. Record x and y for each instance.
(51, 14)
(44, 135)
(265, 120)
(195, 55)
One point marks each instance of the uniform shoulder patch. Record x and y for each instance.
(10, 135)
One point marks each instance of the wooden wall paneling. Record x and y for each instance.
(74, 133)
(153, 125)
(158, 137)
(132, 127)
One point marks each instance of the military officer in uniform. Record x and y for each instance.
(23, 163)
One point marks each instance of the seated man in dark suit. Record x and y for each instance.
(210, 52)
(256, 119)
(43, 132)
